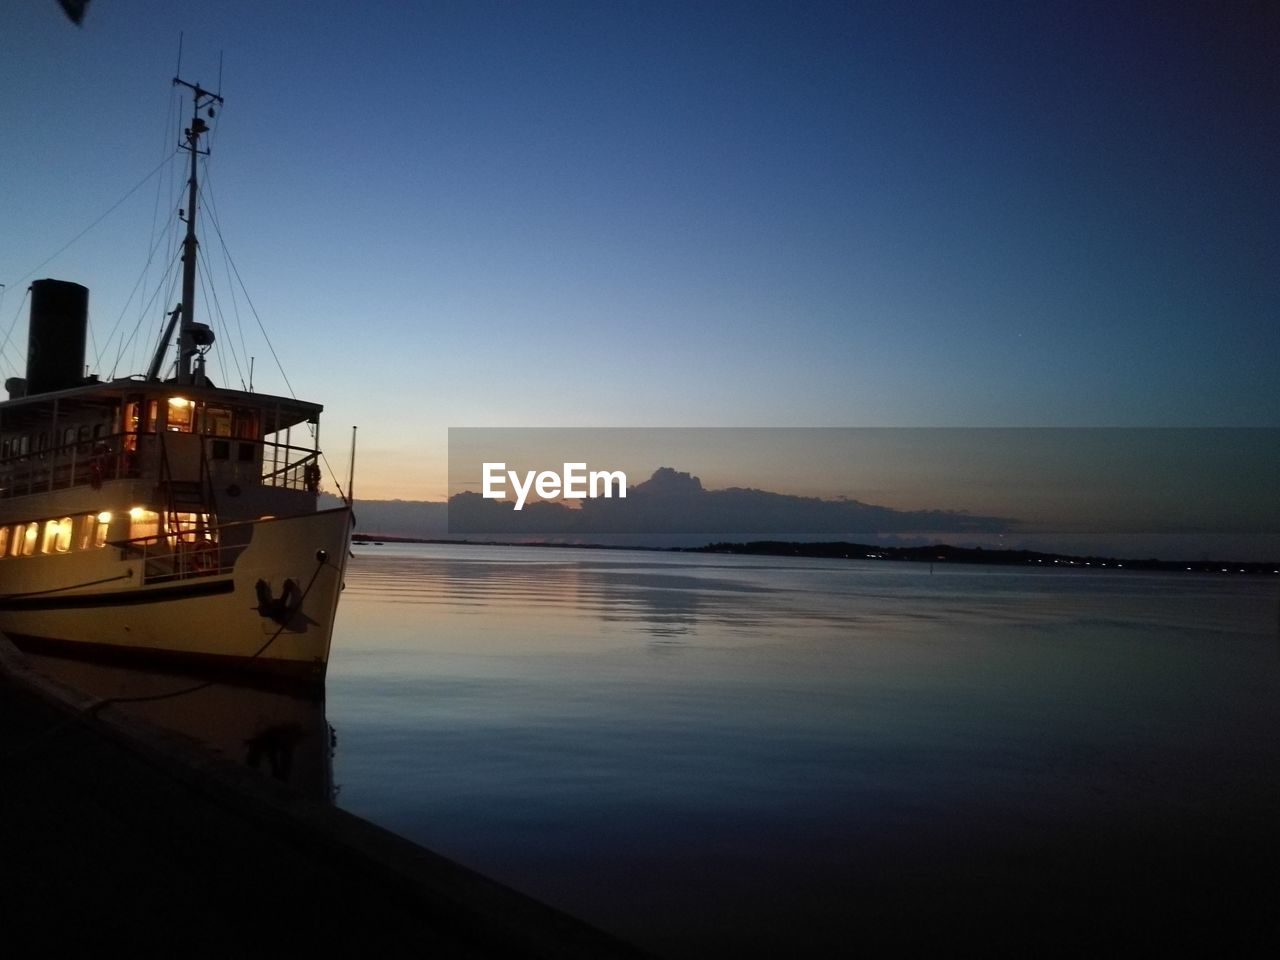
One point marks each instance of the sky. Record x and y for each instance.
(664, 215)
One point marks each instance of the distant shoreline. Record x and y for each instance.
(936, 553)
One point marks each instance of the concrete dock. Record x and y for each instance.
(116, 837)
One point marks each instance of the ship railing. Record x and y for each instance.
(178, 557)
(91, 463)
(78, 463)
(293, 468)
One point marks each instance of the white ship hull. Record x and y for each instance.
(265, 603)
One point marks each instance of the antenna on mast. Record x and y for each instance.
(191, 335)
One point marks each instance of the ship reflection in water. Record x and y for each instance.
(281, 734)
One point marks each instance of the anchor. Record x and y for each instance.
(282, 608)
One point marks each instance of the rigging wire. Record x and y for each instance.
(211, 295)
(132, 190)
(174, 191)
(3, 288)
(163, 229)
(228, 260)
(167, 232)
(124, 345)
(235, 301)
(5, 345)
(137, 284)
(30, 273)
(249, 300)
(201, 270)
(333, 475)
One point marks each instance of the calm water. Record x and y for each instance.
(728, 755)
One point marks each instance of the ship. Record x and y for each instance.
(160, 517)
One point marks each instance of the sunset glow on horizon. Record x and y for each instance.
(663, 215)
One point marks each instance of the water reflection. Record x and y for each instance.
(661, 599)
(722, 756)
(279, 733)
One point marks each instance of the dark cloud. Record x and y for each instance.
(674, 502)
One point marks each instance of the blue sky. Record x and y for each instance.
(690, 214)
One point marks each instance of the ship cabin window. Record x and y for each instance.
(217, 421)
(57, 536)
(93, 529)
(181, 415)
(132, 425)
(139, 417)
(4, 541)
(246, 424)
(188, 527)
(218, 425)
(143, 524)
(15, 542)
(30, 534)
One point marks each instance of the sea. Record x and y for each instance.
(731, 755)
(711, 755)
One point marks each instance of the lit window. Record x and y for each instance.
(185, 525)
(57, 536)
(93, 529)
(180, 414)
(29, 537)
(143, 524)
(4, 541)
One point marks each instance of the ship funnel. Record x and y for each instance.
(55, 341)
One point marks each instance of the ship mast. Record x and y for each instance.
(191, 335)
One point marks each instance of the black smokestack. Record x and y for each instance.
(55, 342)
